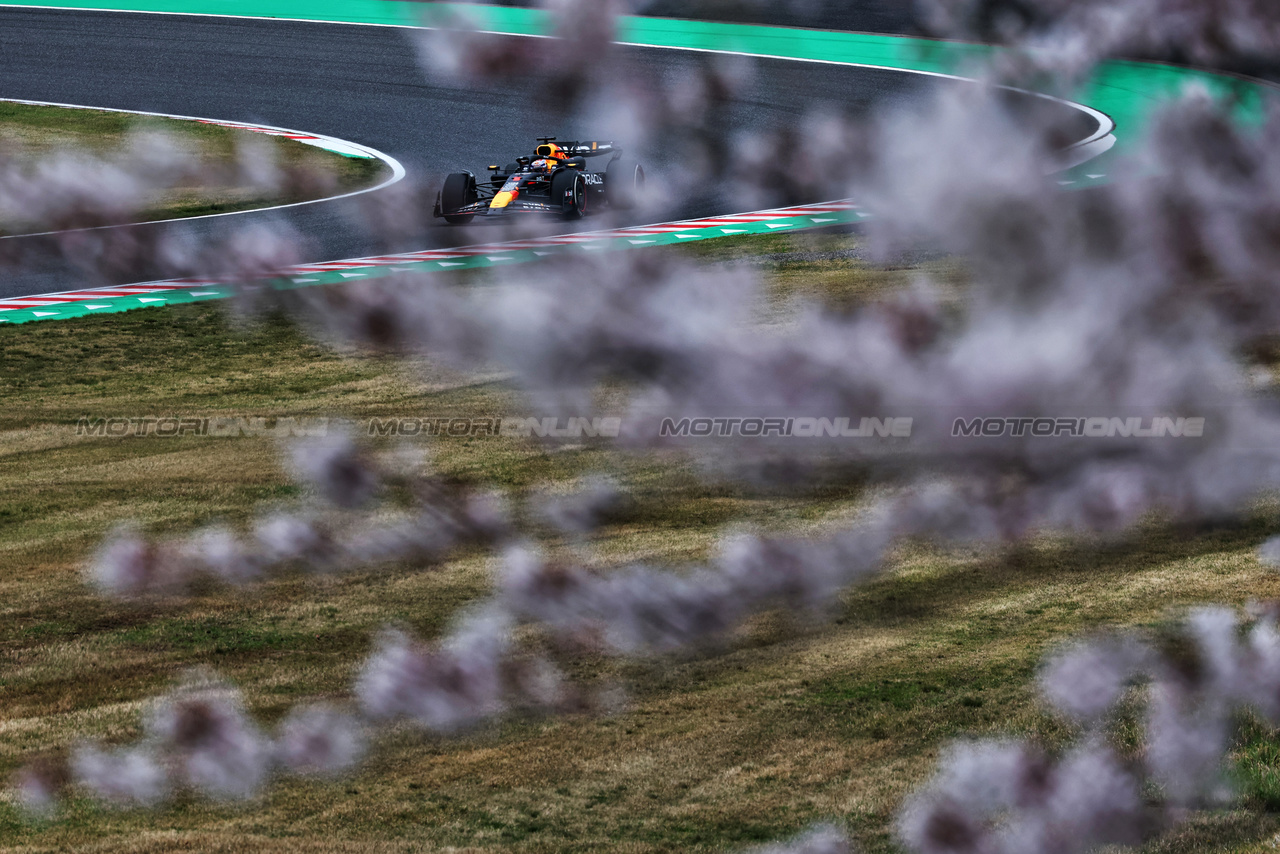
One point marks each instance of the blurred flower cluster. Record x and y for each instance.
(1070, 36)
(1011, 796)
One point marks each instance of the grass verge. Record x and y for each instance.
(787, 724)
(31, 134)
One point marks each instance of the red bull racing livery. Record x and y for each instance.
(556, 180)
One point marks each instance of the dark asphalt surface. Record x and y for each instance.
(363, 84)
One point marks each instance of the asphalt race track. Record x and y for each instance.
(363, 84)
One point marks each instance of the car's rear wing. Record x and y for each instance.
(594, 149)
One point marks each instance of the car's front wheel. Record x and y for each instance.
(569, 187)
(459, 191)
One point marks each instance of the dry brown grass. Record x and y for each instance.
(785, 724)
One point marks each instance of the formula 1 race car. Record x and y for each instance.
(555, 180)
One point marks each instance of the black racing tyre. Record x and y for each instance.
(569, 187)
(623, 184)
(459, 191)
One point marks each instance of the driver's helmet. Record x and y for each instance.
(541, 165)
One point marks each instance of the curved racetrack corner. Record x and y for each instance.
(362, 84)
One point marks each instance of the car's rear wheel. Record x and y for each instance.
(459, 191)
(569, 187)
(623, 184)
